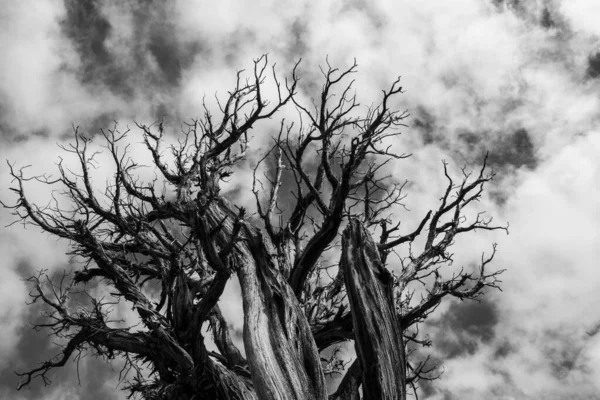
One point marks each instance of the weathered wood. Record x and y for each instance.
(378, 335)
(282, 354)
(283, 358)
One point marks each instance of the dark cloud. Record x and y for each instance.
(6, 130)
(41, 132)
(162, 110)
(155, 32)
(36, 346)
(154, 38)
(475, 318)
(89, 380)
(102, 121)
(545, 15)
(562, 351)
(503, 349)
(593, 65)
(547, 20)
(461, 332)
(94, 379)
(161, 44)
(297, 46)
(471, 323)
(424, 122)
(32, 348)
(515, 150)
(498, 3)
(87, 29)
(92, 127)
(594, 330)
(470, 139)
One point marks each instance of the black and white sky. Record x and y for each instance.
(518, 78)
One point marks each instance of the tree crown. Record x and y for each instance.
(168, 247)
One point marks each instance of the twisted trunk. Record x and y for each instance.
(378, 334)
(282, 353)
(283, 359)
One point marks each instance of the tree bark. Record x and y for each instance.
(283, 358)
(378, 334)
(282, 353)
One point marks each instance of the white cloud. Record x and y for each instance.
(472, 68)
(550, 287)
(580, 14)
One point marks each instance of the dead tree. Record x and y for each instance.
(180, 234)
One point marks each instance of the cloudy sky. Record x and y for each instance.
(520, 79)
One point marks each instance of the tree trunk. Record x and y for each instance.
(282, 353)
(378, 334)
(283, 358)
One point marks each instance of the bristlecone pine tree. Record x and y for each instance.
(169, 246)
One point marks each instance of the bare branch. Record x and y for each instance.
(164, 240)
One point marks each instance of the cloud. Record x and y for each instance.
(580, 14)
(515, 78)
(13, 296)
(539, 344)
